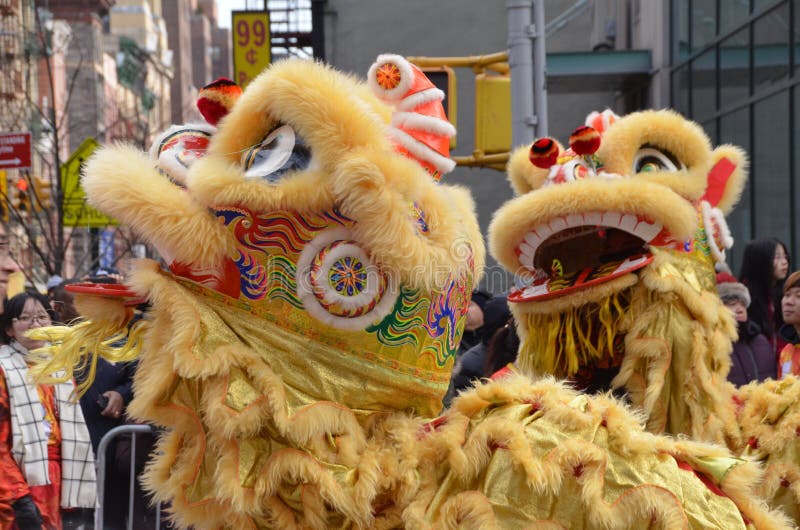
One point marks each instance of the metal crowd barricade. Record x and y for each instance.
(101, 464)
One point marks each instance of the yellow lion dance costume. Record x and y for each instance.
(297, 350)
(618, 236)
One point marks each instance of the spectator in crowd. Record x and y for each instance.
(53, 282)
(105, 400)
(44, 442)
(63, 303)
(7, 265)
(789, 360)
(472, 363)
(473, 327)
(503, 349)
(765, 264)
(752, 358)
(103, 405)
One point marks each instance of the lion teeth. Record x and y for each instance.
(526, 249)
(544, 231)
(575, 219)
(647, 231)
(627, 222)
(558, 224)
(593, 218)
(611, 219)
(533, 239)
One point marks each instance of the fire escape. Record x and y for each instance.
(290, 25)
(12, 25)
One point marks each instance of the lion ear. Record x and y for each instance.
(726, 178)
(180, 146)
(522, 174)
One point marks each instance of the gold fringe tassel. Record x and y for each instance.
(562, 343)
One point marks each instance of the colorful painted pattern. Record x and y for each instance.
(701, 236)
(343, 280)
(446, 311)
(188, 144)
(269, 247)
(405, 324)
(347, 286)
(347, 276)
(281, 283)
(419, 217)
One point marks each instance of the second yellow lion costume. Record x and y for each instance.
(619, 240)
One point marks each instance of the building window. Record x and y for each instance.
(734, 70)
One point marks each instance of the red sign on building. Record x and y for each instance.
(15, 150)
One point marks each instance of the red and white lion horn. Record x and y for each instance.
(601, 121)
(420, 129)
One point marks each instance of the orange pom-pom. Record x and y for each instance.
(584, 140)
(544, 153)
(388, 76)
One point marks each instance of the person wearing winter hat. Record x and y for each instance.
(752, 358)
(789, 358)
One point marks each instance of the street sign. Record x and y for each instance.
(77, 212)
(252, 45)
(15, 150)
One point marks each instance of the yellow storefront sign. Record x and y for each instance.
(252, 45)
(76, 210)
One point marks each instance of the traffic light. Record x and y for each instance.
(444, 78)
(5, 200)
(492, 113)
(21, 200)
(42, 198)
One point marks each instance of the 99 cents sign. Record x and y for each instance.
(251, 45)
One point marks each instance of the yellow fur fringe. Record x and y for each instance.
(512, 447)
(77, 348)
(769, 414)
(562, 343)
(676, 363)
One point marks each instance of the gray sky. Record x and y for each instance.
(224, 8)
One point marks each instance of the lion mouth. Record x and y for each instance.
(580, 250)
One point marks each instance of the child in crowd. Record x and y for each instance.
(752, 358)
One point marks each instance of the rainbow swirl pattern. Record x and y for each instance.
(300, 265)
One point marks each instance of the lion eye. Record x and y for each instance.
(279, 152)
(650, 159)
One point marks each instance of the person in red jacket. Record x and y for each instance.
(46, 460)
(789, 361)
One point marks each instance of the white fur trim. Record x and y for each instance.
(420, 98)
(714, 217)
(605, 118)
(422, 151)
(406, 77)
(421, 122)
